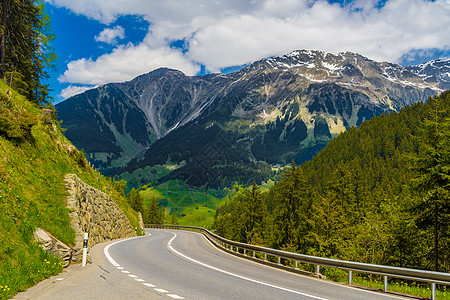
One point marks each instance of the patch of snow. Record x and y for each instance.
(311, 78)
(176, 125)
(331, 67)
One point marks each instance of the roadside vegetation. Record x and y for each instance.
(418, 289)
(35, 157)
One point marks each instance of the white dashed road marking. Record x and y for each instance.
(148, 284)
(175, 296)
(115, 264)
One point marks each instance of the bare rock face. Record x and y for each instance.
(52, 245)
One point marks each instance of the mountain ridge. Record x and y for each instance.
(278, 109)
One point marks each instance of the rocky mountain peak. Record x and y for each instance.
(278, 108)
(434, 71)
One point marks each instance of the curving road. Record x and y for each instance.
(181, 264)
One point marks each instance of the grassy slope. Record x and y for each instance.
(32, 194)
(192, 206)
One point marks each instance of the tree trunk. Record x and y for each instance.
(3, 16)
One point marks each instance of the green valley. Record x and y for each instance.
(192, 206)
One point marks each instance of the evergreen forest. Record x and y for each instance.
(376, 194)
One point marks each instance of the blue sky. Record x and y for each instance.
(100, 41)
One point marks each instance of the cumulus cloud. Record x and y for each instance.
(111, 35)
(72, 90)
(224, 33)
(124, 63)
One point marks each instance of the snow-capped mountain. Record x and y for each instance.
(435, 71)
(274, 110)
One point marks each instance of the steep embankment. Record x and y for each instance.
(35, 157)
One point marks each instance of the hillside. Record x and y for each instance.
(356, 199)
(35, 157)
(270, 112)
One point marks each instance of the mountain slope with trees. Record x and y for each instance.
(271, 112)
(376, 194)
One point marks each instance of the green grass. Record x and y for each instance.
(192, 206)
(267, 185)
(144, 176)
(32, 194)
(411, 288)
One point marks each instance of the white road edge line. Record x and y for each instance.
(343, 286)
(108, 256)
(239, 276)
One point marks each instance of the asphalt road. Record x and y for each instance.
(185, 264)
(176, 264)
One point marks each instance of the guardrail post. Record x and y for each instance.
(317, 269)
(245, 251)
(350, 275)
(279, 260)
(85, 243)
(296, 264)
(385, 284)
(265, 256)
(433, 291)
(254, 253)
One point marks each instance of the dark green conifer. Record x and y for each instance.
(433, 180)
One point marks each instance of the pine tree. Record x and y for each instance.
(433, 180)
(136, 201)
(253, 216)
(173, 219)
(25, 49)
(153, 214)
(290, 216)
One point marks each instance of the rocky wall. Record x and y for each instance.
(96, 213)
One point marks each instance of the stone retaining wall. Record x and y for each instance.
(96, 213)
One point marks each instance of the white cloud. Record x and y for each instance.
(125, 63)
(224, 33)
(72, 90)
(111, 35)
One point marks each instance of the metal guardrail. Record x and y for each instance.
(386, 271)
